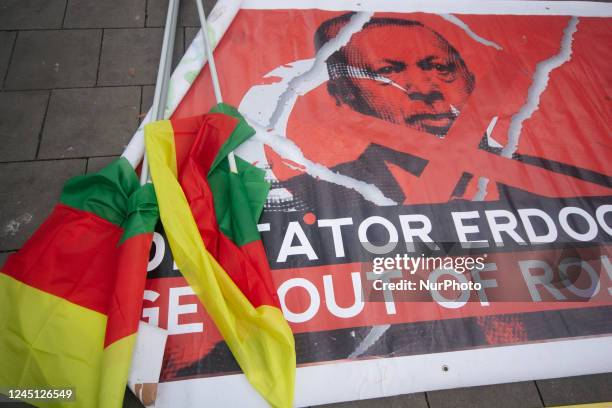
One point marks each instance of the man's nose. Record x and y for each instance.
(429, 98)
(422, 86)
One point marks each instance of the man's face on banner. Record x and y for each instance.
(407, 75)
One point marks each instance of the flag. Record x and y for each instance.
(210, 218)
(70, 299)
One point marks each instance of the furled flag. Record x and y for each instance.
(70, 299)
(210, 217)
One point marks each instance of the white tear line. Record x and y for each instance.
(454, 110)
(480, 195)
(538, 86)
(490, 141)
(459, 23)
(297, 84)
(287, 149)
(483, 182)
(370, 339)
(362, 73)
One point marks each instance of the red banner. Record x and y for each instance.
(398, 142)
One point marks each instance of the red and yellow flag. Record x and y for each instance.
(210, 218)
(70, 299)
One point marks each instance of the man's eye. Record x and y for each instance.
(444, 67)
(431, 65)
(389, 69)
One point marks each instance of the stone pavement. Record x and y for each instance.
(76, 77)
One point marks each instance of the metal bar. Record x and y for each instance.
(163, 75)
(213, 72)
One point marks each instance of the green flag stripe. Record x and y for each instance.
(115, 195)
(241, 133)
(239, 199)
(143, 213)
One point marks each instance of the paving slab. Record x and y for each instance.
(131, 56)
(576, 390)
(148, 92)
(95, 164)
(30, 190)
(31, 14)
(188, 13)
(21, 118)
(512, 395)
(190, 33)
(105, 14)
(399, 401)
(7, 39)
(90, 122)
(48, 59)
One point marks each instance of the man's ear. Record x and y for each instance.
(471, 81)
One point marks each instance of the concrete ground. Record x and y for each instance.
(75, 78)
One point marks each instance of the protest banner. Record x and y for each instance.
(440, 212)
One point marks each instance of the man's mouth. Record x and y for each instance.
(433, 118)
(435, 123)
